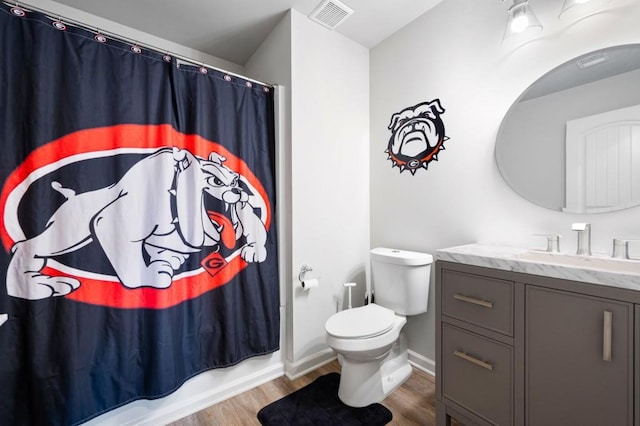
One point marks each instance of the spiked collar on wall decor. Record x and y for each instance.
(417, 136)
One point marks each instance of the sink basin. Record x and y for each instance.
(608, 264)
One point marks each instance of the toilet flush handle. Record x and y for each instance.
(349, 285)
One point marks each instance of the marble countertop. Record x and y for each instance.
(589, 269)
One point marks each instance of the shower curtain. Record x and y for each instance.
(136, 218)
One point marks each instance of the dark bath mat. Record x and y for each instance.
(318, 404)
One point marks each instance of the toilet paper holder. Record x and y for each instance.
(307, 282)
(303, 270)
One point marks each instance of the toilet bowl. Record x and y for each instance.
(369, 339)
(365, 337)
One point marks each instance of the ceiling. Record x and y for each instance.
(232, 30)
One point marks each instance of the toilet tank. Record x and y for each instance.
(401, 279)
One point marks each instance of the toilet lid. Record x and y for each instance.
(357, 323)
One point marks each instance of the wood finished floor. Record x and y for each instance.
(411, 404)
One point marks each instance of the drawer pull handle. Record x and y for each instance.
(473, 300)
(473, 360)
(606, 335)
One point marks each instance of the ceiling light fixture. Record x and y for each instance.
(578, 9)
(521, 21)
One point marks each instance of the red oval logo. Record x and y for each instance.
(152, 229)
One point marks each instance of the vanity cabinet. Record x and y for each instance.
(579, 359)
(520, 349)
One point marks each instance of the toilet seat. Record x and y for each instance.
(361, 323)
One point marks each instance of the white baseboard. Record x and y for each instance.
(422, 363)
(178, 410)
(206, 399)
(293, 370)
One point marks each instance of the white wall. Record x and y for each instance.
(329, 178)
(323, 171)
(454, 53)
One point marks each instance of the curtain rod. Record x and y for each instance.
(118, 37)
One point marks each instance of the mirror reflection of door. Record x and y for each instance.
(603, 161)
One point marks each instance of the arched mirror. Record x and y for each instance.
(571, 141)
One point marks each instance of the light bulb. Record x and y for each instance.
(519, 23)
(520, 20)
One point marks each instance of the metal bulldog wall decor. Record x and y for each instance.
(417, 136)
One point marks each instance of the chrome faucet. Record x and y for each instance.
(620, 249)
(584, 238)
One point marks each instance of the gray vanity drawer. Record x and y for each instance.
(483, 301)
(477, 374)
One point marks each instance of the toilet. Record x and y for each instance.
(368, 339)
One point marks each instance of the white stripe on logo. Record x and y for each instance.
(3, 318)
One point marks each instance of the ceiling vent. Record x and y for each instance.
(331, 13)
(591, 60)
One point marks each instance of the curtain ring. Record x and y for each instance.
(18, 11)
(59, 25)
(99, 37)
